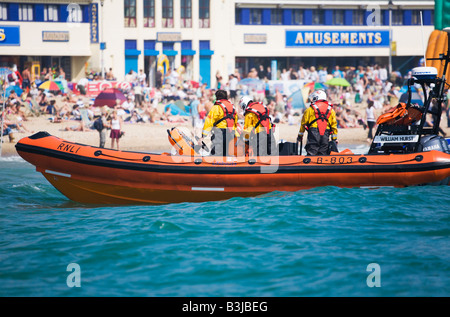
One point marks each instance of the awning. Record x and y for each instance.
(188, 52)
(151, 53)
(206, 52)
(132, 52)
(170, 52)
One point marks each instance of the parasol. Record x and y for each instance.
(108, 98)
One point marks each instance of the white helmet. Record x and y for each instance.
(243, 103)
(318, 95)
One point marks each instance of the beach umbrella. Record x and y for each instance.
(108, 98)
(297, 99)
(338, 82)
(314, 86)
(60, 85)
(49, 85)
(16, 89)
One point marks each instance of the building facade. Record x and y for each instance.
(46, 34)
(203, 37)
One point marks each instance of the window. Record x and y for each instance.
(51, 13)
(397, 17)
(167, 46)
(149, 44)
(149, 13)
(415, 17)
(317, 16)
(75, 13)
(186, 13)
(204, 13)
(276, 17)
(25, 12)
(204, 45)
(130, 13)
(167, 14)
(130, 44)
(358, 17)
(237, 15)
(186, 45)
(3, 12)
(255, 16)
(297, 16)
(338, 17)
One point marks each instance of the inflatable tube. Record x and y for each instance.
(432, 40)
(439, 50)
(441, 70)
(447, 74)
(163, 64)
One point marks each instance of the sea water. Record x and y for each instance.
(325, 241)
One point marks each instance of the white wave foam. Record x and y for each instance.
(14, 158)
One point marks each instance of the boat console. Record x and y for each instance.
(406, 132)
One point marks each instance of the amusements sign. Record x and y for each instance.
(370, 38)
(9, 35)
(94, 22)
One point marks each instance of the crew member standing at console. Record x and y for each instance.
(319, 120)
(221, 122)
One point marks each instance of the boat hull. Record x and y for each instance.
(100, 176)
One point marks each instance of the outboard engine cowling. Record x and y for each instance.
(433, 142)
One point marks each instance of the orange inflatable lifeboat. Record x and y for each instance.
(94, 175)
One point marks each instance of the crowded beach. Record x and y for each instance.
(69, 111)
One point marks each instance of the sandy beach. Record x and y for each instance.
(152, 137)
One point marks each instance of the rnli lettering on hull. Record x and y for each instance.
(337, 38)
(70, 148)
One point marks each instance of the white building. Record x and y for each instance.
(207, 36)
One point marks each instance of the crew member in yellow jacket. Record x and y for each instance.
(221, 122)
(319, 120)
(258, 127)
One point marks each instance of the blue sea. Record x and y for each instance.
(321, 242)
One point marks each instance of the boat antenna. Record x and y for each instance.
(423, 40)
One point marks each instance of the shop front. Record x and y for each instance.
(328, 47)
